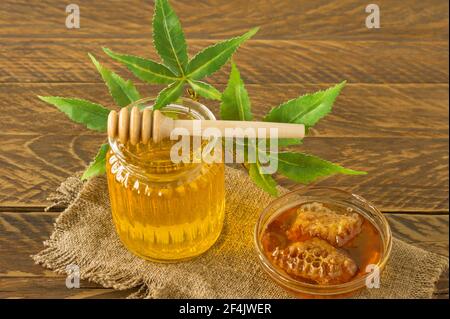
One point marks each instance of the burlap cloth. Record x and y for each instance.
(84, 235)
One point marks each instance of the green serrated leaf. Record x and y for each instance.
(307, 109)
(169, 95)
(206, 90)
(214, 57)
(285, 142)
(98, 165)
(94, 116)
(305, 168)
(146, 70)
(168, 38)
(123, 92)
(235, 101)
(265, 181)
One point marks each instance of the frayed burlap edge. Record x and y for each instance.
(53, 258)
(428, 287)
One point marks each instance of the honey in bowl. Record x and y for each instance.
(321, 243)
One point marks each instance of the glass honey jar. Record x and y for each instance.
(162, 210)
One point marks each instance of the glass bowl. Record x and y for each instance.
(327, 196)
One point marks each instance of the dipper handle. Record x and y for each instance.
(142, 126)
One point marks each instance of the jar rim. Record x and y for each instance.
(314, 289)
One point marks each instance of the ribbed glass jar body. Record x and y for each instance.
(165, 211)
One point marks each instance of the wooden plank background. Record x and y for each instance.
(391, 119)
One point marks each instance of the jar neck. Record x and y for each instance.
(152, 163)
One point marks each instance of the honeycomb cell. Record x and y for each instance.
(316, 220)
(315, 260)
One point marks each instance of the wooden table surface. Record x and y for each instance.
(391, 119)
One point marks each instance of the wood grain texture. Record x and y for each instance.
(21, 235)
(391, 120)
(260, 61)
(288, 19)
(394, 165)
(44, 160)
(427, 232)
(36, 165)
(54, 288)
(362, 110)
(31, 166)
(392, 192)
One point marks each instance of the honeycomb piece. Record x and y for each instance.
(316, 220)
(315, 260)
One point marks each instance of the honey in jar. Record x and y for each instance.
(165, 211)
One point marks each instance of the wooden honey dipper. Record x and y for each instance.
(142, 126)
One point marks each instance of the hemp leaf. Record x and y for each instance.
(123, 92)
(235, 101)
(307, 110)
(146, 70)
(206, 90)
(236, 105)
(264, 181)
(94, 116)
(176, 70)
(169, 94)
(214, 57)
(168, 38)
(305, 168)
(98, 166)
